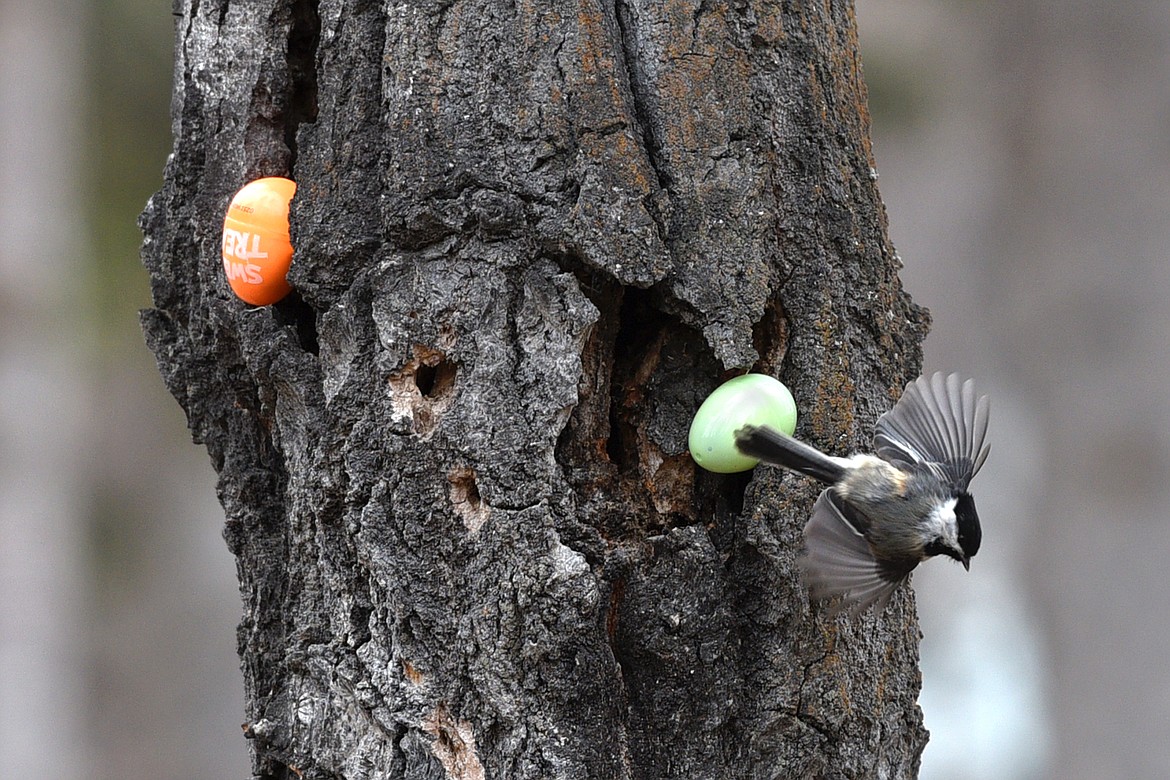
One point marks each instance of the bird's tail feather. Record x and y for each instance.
(772, 446)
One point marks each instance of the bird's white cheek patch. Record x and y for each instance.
(942, 522)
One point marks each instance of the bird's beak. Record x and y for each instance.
(966, 563)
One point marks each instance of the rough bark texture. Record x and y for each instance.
(530, 239)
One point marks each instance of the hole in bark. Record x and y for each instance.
(770, 338)
(618, 447)
(463, 488)
(464, 495)
(624, 449)
(636, 350)
(295, 312)
(303, 35)
(425, 386)
(435, 379)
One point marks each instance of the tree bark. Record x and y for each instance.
(530, 238)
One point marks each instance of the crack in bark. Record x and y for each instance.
(798, 709)
(303, 35)
(641, 104)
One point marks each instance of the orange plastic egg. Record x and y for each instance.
(256, 247)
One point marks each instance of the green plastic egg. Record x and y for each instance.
(751, 399)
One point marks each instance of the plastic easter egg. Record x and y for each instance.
(256, 247)
(751, 399)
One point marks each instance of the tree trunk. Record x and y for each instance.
(529, 240)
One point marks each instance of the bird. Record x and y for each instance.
(882, 514)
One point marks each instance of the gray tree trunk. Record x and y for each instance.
(530, 239)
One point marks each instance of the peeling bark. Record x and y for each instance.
(530, 238)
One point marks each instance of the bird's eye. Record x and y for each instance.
(939, 547)
(935, 547)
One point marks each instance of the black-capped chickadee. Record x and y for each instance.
(882, 516)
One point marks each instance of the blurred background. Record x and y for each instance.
(1023, 148)
(118, 597)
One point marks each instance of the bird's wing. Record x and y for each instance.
(837, 560)
(938, 423)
